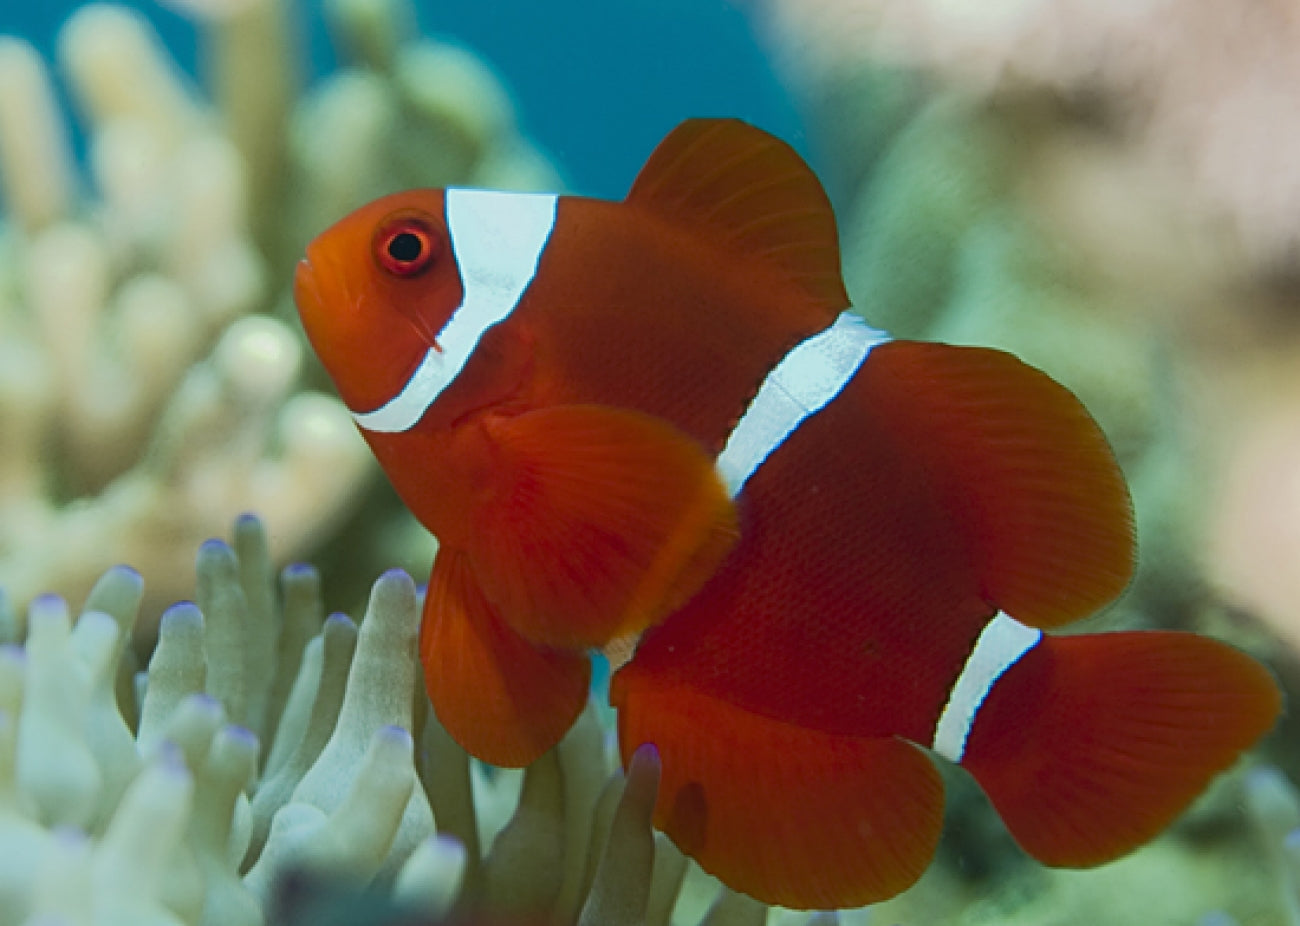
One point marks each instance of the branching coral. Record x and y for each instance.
(147, 395)
(147, 800)
(141, 409)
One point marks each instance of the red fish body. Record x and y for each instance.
(657, 417)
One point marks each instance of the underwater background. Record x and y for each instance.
(596, 86)
(1107, 189)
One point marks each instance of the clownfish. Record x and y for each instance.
(659, 420)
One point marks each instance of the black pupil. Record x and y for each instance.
(405, 247)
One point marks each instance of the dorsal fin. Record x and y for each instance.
(755, 191)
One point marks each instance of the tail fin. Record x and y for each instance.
(1092, 744)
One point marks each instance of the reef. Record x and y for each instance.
(265, 747)
(152, 383)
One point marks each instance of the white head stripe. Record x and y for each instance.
(498, 240)
(1000, 645)
(800, 385)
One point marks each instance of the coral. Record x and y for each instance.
(143, 406)
(148, 392)
(147, 800)
(1200, 92)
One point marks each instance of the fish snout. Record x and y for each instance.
(305, 291)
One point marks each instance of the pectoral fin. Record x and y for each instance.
(606, 522)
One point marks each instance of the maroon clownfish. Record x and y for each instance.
(659, 417)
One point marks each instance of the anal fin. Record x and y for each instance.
(786, 814)
(505, 700)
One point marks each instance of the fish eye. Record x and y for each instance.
(406, 246)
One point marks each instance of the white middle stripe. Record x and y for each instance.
(800, 385)
(497, 239)
(1000, 645)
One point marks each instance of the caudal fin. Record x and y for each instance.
(1090, 745)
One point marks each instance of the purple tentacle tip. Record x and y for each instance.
(128, 571)
(397, 734)
(215, 546)
(243, 734)
(338, 618)
(205, 701)
(180, 612)
(171, 759)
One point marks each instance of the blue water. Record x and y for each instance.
(597, 84)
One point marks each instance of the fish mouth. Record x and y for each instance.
(305, 291)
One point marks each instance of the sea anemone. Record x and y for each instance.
(145, 798)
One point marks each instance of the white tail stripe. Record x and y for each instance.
(802, 384)
(497, 239)
(1000, 645)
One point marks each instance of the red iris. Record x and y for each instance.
(406, 247)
